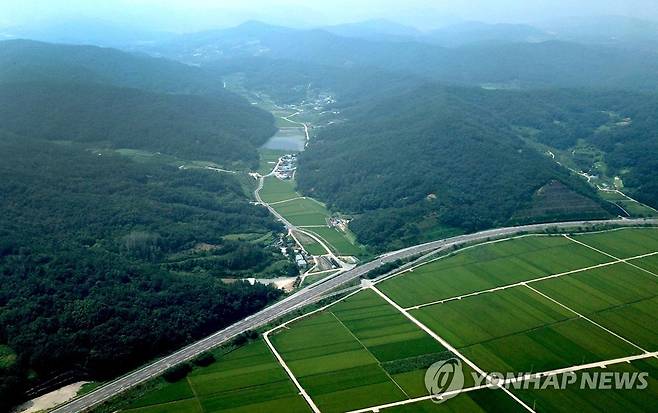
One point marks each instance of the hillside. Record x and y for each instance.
(506, 64)
(24, 60)
(428, 160)
(223, 128)
(607, 132)
(107, 262)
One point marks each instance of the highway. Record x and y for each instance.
(302, 297)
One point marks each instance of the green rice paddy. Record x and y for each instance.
(363, 352)
(246, 380)
(490, 266)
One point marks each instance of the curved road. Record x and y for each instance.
(297, 300)
(289, 226)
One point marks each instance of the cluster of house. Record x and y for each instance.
(286, 167)
(339, 223)
(300, 257)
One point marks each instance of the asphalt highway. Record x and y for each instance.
(299, 299)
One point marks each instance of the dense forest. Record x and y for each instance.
(86, 243)
(224, 129)
(25, 60)
(109, 260)
(440, 158)
(620, 124)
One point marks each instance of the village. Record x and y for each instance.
(286, 168)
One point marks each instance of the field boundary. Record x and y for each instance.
(582, 316)
(523, 283)
(447, 345)
(520, 379)
(610, 255)
(369, 352)
(495, 241)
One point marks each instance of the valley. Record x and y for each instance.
(421, 215)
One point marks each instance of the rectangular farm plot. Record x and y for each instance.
(386, 333)
(586, 400)
(333, 367)
(649, 263)
(623, 243)
(303, 212)
(342, 356)
(518, 330)
(174, 392)
(245, 380)
(489, 266)
(182, 406)
(479, 401)
(276, 190)
(620, 298)
(337, 241)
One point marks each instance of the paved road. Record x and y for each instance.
(297, 300)
(289, 226)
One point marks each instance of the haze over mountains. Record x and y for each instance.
(126, 156)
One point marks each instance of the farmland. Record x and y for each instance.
(586, 400)
(268, 159)
(337, 241)
(306, 212)
(276, 190)
(529, 304)
(490, 266)
(361, 354)
(246, 380)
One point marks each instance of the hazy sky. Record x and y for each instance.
(187, 15)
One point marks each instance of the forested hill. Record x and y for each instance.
(222, 128)
(106, 262)
(430, 159)
(508, 64)
(618, 128)
(25, 60)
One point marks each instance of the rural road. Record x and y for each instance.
(289, 226)
(298, 299)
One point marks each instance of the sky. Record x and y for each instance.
(192, 15)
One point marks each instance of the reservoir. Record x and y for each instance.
(287, 139)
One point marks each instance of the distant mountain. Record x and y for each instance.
(610, 30)
(87, 32)
(477, 32)
(493, 64)
(25, 60)
(375, 30)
